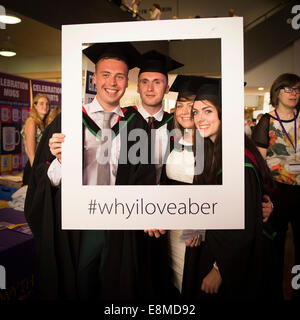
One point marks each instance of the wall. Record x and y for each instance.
(285, 61)
(200, 56)
(30, 64)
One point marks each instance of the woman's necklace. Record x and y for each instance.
(294, 144)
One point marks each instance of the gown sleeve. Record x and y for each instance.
(260, 133)
(38, 183)
(238, 253)
(135, 167)
(136, 266)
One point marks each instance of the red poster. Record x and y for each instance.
(51, 89)
(14, 88)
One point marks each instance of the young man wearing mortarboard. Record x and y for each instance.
(152, 87)
(92, 264)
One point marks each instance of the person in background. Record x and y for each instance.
(135, 7)
(155, 12)
(231, 13)
(247, 127)
(277, 136)
(258, 117)
(132, 6)
(33, 130)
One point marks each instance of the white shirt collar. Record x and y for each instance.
(95, 106)
(158, 115)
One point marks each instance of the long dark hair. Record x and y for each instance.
(212, 151)
(212, 160)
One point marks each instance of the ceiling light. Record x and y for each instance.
(9, 19)
(260, 88)
(7, 53)
(7, 48)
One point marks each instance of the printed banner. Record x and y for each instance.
(90, 87)
(14, 88)
(14, 110)
(51, 89)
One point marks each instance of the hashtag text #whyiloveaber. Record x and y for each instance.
(140, 206)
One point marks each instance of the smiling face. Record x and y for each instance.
(206, 119)
(152, 86)
(42, 107)
(111, 79)
(289, 100)
(183, 113)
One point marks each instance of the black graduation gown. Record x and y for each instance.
(168, 120)
(26, 174)
(244, 257)
(58, 250)
(149, 277)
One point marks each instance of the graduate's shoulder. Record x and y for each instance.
(132, 113)
(130, 110)
(168, 119)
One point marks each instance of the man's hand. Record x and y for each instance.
(55, 144)
(155, 232)
(193, 242)
(267, 207)
(212, 282)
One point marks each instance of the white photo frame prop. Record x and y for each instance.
(161, 207)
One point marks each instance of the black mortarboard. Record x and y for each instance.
(121, 50)
(189, 85)
(153, 61)
(208, 91)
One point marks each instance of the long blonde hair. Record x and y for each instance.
(34, 114)
(54, 113)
